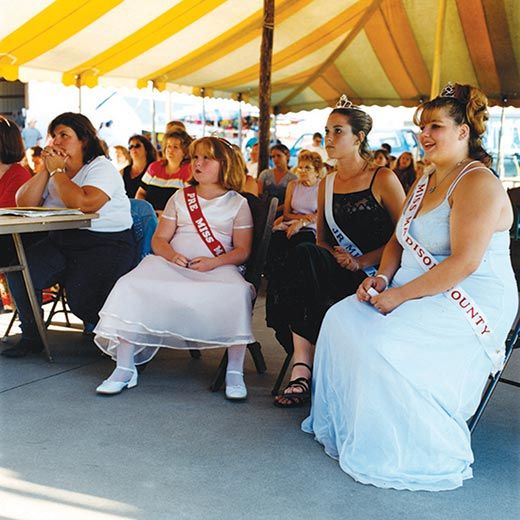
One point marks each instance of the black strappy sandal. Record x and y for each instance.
(295, 399)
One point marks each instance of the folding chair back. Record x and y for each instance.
(264, 212)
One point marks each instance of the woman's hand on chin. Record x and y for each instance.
(54, 158)
(202, 264)
(388, 300)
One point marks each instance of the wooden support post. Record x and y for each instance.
(78, 85)
(240, 119)
(264, 87)
(153, 110)
(437, 53)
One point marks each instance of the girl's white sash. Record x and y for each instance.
(341, 238)
(457, 295)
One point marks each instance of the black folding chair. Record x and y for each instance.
(264, 212)
(511, 344)
(512, 341)
(52, 296)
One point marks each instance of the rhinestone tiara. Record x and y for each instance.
(344, 102)
(448, 90)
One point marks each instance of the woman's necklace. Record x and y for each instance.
(363, 166)
(433, 188)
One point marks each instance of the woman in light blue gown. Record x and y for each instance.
(397, 374)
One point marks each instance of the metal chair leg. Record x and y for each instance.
(64, 307)
(511, 344)
(10, 326)
(220, 375)
(255, 349)
(281, 375)
(52, 311)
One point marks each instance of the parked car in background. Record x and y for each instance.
(402, 140)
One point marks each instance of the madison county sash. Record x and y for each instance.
(200, 222)
(341, 238)
(457, 295)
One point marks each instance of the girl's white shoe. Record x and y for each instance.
(238, 390)
(108, 387)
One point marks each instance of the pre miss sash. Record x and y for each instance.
(341, 238)
(457, 295)
(200, 222)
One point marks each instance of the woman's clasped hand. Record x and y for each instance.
(385, 301)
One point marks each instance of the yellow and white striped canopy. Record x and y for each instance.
(376, 51)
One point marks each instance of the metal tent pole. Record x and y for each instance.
(500, 159)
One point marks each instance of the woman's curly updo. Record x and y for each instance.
(467, 106)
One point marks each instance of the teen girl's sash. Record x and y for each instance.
(341, 238)
(457, 295)
(200, 222)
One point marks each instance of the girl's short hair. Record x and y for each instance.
(384, 153)
(231, 173)
(85, 131)
(184, 138)
(11, 144)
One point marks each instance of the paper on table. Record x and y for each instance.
(39, 212)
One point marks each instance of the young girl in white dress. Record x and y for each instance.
(190, 293)
(397, 374)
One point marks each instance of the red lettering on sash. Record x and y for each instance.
(200, 223)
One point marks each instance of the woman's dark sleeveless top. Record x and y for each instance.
(362, 218)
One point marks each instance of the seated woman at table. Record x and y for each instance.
(163, 178)
(358, 206)
(87, 262)
(200, 298)
(397, 374)
(274, 181)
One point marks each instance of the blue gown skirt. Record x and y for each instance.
(392, 394)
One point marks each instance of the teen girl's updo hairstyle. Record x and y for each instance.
(184, 139)
(358, 120)
(231, 174)
(85, 131)
(465, 104)
(11, 144)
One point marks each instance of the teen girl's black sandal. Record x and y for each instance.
(295, 399)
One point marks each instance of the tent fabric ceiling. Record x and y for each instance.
(376, 51)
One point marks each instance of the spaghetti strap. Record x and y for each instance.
(461, 174)
(373, 177)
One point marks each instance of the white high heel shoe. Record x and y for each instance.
(116, 387)
(236, 392)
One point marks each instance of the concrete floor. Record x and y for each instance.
(170, 449)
